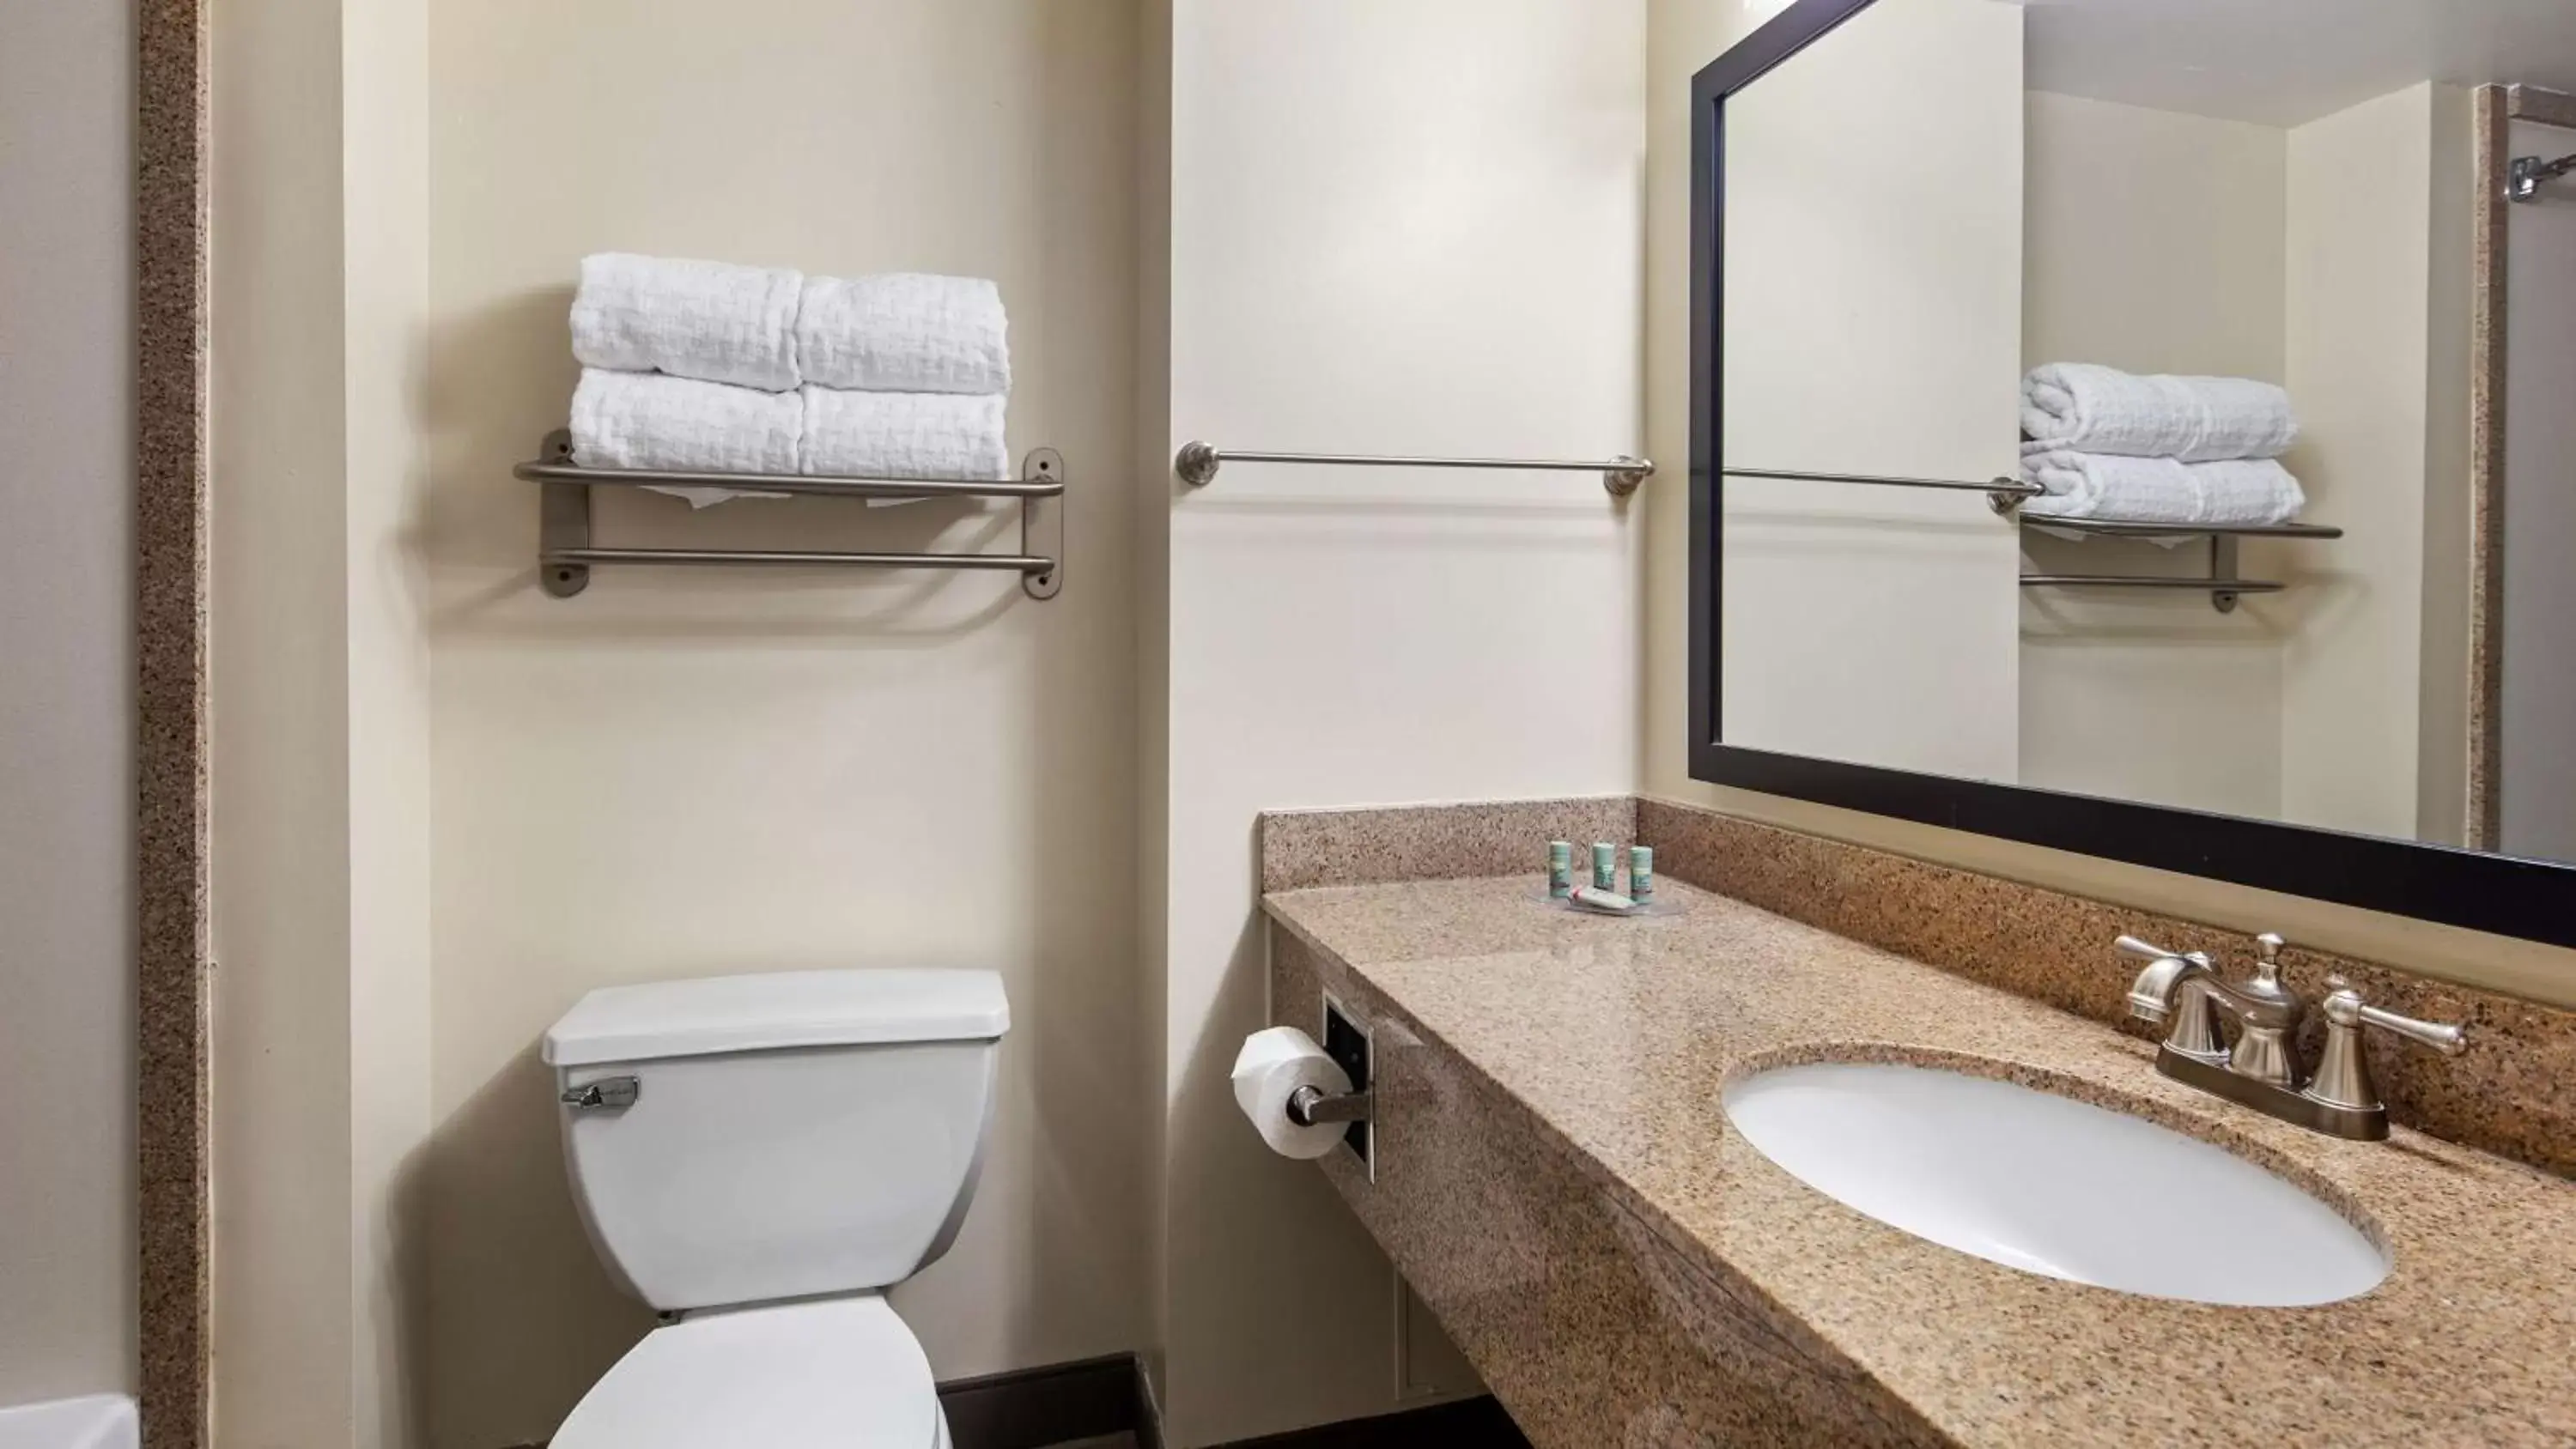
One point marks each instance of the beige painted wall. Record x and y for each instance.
(320, 721)
(385, 240)
(691, 773)
(66, 701)
(2540, 501)
(1876, 625)
(1684, 36)
(2154, 239)
(2378, 322)
(2155, 243)
(1406, 229)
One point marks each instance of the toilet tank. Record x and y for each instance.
(785, 1135)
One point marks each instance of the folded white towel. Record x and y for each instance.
(646, 420)
(2109, 489)
(904, 332)
(2085, 408)
(706, 320)
(904, 434)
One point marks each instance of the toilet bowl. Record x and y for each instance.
(759, 1158)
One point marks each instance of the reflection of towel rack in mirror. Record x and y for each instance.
(1197, 463)
(2222, 583)
(2005, 494)
(2530, 173)
(565, 554)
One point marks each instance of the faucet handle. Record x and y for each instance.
(2344, 1007)
(2145, 950)
(2343, 1073)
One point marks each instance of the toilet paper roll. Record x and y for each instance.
(1273, 1064)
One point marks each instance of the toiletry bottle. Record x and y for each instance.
(1605, 866)
(1641, 873)
(1560, 869)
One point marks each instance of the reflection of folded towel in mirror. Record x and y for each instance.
(2085, 408)
(2232, 492)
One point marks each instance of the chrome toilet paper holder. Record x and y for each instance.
(1310, 1105)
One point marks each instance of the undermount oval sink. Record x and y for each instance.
(2051, 1185)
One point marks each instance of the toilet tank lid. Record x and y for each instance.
(779, 1009)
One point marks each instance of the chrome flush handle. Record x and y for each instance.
(608, 1094)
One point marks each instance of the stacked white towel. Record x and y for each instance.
(710, 367)
(644, 420)
(2080, 407)
(2117, 447)
(712, 321)
(2234, 492)
(903, 434)
(905, 332)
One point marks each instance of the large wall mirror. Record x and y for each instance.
(2148, 428)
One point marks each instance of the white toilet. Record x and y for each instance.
(761, 1157)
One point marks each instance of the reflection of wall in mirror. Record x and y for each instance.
(2325, 256)
(2539, 693)
(2154, 241)
(1875, 328)
(2373, 708)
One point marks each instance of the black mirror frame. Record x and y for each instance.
(2504, 895)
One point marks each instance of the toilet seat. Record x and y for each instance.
(829, 1372)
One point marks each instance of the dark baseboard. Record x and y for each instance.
(1477, 1423)
(1037, 1407)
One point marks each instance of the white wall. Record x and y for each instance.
(66, 700)
(1868, 624)
(2539, 793)
(1684, 36)
(2377, 316)
(2155, 243)
(688, 773)
(1404, 229)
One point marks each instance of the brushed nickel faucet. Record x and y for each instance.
(2260, 1068)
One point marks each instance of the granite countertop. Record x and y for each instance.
(1616, 1037)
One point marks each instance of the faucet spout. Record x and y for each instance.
(2177, 987)
(2151, 996)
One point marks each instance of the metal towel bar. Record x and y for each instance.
(1197, 465)
(2005, 494)
(565, 554)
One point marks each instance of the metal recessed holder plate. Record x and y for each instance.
(1348, 1044)
(566, 553)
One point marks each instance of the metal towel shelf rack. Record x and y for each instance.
(1197, 465)
(566, 555)
(2222, 583)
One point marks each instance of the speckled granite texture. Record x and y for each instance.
(2490, 227)
(1594, 1329)
(174, 1290)
(1557, 1178)
(2513, 1092)
(1433, 842)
